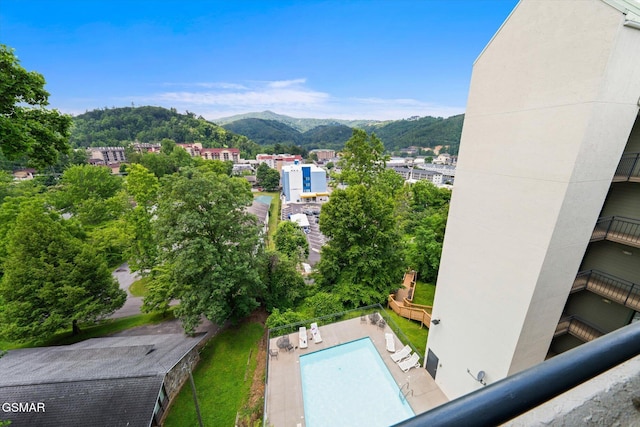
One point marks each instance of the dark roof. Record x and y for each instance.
(96, 403)
(259, 209)
(108, 381)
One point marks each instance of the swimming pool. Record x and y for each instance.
(349, 385)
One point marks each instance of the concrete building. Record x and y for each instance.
(107, 155)
(545, 166)
(298, 179)
(324, 155)
(277, 161)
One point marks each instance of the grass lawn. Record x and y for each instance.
(424, 293)
(139, 287)
(104, 328)
(223, 379)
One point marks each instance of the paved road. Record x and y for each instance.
(315, 238)
(132, 306)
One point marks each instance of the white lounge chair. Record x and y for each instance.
(391, 344)
(315, 333)
(411, 362)
(303, 337)
(403, 353)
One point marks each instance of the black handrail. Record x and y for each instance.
(623, 230)
(609, 286)
(628, 167)
(506, 399)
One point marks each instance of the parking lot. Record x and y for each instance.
(314, 236)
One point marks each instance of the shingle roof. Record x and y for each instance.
(97, 358)
(112, 381)
(96, 403)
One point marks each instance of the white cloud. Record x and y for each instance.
(291, 97)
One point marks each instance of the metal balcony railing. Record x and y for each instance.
(611, 287)
(628, 168)
(617, 229)
(503, 400)
(579, 328)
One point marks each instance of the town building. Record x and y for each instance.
(416, 174)
(277, 161)
(107, 155)
(324, 155)
(300, 180)
(543, 232)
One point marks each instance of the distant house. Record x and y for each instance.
(112, 381)
(23, 174)
(443, 159)
(224, 154)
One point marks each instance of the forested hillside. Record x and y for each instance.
(265, 132)
(396, 134)
(119, 126)
(271, 132)
(300, 124)
(423, 132)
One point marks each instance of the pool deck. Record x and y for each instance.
(284, 405)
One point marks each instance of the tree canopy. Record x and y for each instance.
(28, 129)
(267, 177)
(51, 278)
(208, 246)
(362, 260)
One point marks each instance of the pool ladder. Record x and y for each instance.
(402, 394)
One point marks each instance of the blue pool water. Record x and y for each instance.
(349, 385)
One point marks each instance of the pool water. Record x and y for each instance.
(349, 385)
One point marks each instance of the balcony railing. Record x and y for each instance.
(628, 168)
(617, 229)
(579, 328)
(505, 399)
(608, 286)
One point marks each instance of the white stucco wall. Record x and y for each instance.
(552, 101)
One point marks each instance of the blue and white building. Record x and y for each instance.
(300, 182)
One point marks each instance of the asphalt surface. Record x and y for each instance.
(315, 238)
(125, 278)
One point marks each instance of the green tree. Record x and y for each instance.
(267, 177)
(51, 279)
(291, 241)
(208, 248)
(90, 193)
(27, 128)
(143, 186)
(362, 261)
(217, 166)
(363, 159)
(322, 304)
(283, 283)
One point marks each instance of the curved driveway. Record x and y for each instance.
(125, 278)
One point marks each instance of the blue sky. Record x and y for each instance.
(343, 59)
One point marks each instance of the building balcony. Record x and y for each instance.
(577, 327)
(628, 168)
(610, 287)
(617, 229)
